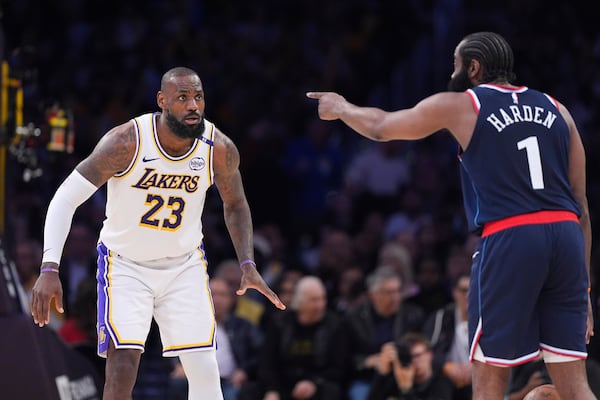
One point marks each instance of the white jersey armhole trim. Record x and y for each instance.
(553, 101)
(211, 154)
(474, 100)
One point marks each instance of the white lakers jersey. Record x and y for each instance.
(154, 207)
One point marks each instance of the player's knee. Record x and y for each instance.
(123, 363)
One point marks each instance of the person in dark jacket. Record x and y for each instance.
(303, 356)
(383, 318)
(405, 372)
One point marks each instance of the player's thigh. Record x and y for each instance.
(507, 276)
(125, 304)
(564, 297)
(184, 312)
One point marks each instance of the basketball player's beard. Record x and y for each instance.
(460, 82)
(185, 131)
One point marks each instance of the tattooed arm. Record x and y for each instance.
(112, 154)
(235, 206)
(237, 214)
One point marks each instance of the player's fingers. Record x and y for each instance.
(39, 316)
(241, 291)
(34, 312)
(43, 311)
(314, 95)
(46, 312)
(59, 304)
(275, 299)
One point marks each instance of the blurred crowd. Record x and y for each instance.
(366, 241)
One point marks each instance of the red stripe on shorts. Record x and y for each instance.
(538, 217)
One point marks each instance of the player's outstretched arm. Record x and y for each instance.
(445, 110)
(237, 215)
(112, 154)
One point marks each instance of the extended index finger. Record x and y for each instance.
(315, 95)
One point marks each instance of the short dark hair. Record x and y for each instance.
(493, 53)
(411, 339)
(174, 73)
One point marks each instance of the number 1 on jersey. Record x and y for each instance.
(534, 160)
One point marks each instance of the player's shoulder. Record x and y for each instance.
(446, 101)
(451, 103)
(121, 142)
(123, 134)
(226, 153)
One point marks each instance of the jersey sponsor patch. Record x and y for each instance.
(197, 163)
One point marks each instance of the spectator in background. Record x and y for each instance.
(448, 333)
(304, 352)
(405, 372)
(382, 319)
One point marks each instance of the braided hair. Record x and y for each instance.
(493, 53)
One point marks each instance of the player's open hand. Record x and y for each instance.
(330, 104)
(46, 287)
(251, 279)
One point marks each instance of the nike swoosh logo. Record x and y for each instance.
(46, 250)
(475, 254)
(144, 159)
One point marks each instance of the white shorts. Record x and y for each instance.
(172, 290)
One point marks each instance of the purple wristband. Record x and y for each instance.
(248, 261)
(49, 269)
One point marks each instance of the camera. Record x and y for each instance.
(404, 355)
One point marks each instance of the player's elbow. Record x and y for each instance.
(379, 136)
(379, 131)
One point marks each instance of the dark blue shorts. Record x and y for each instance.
(529, 292)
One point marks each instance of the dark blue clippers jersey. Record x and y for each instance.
(517, 160)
